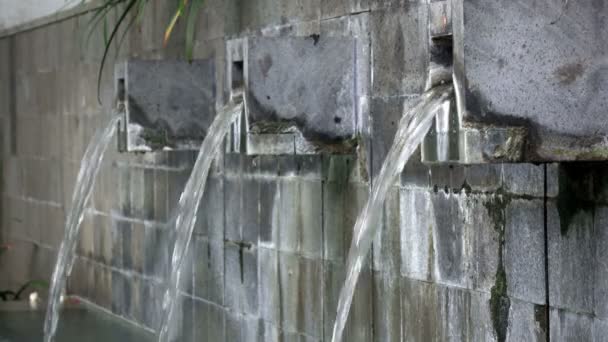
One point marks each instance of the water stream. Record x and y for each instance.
(413, 126)
(89, 167)
(188, 206)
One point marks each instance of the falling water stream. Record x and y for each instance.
(413, 126)
(188, 206)
(89, 167)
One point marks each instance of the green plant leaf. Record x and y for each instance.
(105, 30)
(171, 26)
(140, 9)
(107, 47)
(99, 15)
(191, 25)
(126, 31)
(37, 284)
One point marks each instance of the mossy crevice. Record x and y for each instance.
(576, 193)
(542, 320)
(499, 300)
(156, 139)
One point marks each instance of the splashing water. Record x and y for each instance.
(89, 167)
(413, 126)
(188, 206)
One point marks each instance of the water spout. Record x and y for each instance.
(413, 126)
(89, 168)
(188, 205)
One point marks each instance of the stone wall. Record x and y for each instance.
(465, 253)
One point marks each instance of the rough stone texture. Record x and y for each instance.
(460, 253)
(520, 71)
(162, 111)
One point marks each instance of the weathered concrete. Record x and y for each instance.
(161, 108)
(461, 254)
(541, 67)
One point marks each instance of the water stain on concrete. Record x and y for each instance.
(568, 73)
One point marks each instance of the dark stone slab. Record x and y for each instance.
(541, 66)
(169, 104)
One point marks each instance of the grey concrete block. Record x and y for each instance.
(233, 203)
(400, 44)
(385, 116)
(301, 296)
(448, 178)
(572, 265)
(359, 324)
(86, 240)
(120, 300)
(241, 279)
(103, 288)
(255, 15)
(138, 246)
(13, 177)
(421, 314)
(485, 223)
(210, 220)
(77, 281)
(524, 179)
(168, 113)
(177, 181)
(527, 322)
(337, 168)
(417, 243)
(161, 193)
(208, 322)
(342, 203)
(386, 247)
(600, 295)
(269, 214)
(449, 240)
(249, 216)
(600, 329)
(152, 295)
(387, 306)
(52, 231)
(524, 250)
(208, 270)
(116, 244)
(501, 79)
(484, 177)
(324, 122)
(102, 233)
(571, 326)
(269, 286)
(434, 312)
(158, 244)
(338, 8)
(233, 327)
(300, 219)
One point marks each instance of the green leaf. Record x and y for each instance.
(105, 30)
(191, 25)
(39, 284)
(140, 9)
(99, 15)
(125, 33)
(171, 26)
(107, 47)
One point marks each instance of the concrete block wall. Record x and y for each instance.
(464, 253)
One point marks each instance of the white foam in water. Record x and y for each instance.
(413, 126)
(188, 206)
(89, 167)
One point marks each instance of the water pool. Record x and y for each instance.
(79, 322)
